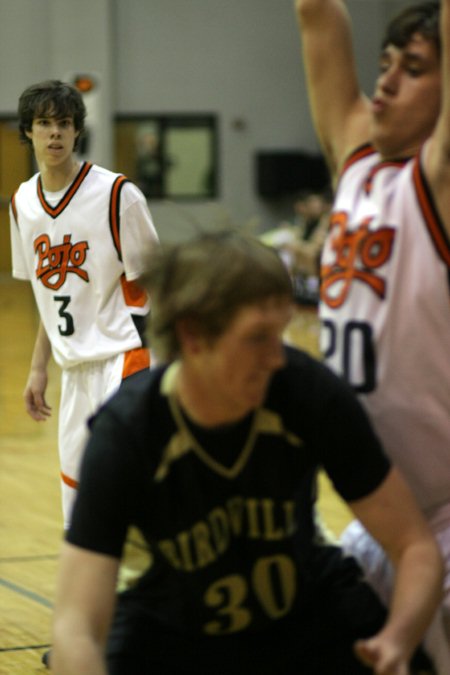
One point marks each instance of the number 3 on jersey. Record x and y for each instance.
(351, 352)
(66, 328)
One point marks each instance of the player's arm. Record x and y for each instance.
(34, 393)
(437, 151)
(85, 599)
(392, 516)
(138, 235)
(339, 109)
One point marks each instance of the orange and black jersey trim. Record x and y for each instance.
(366, 151)
(114, 213)
(431, 216)
(55, 211)
(356, 155)
(425, 197)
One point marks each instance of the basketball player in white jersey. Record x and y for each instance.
(81, 234)
(385, 292)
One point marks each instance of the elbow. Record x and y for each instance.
(76, 646)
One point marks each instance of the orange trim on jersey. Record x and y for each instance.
(396, 163)
(360, 153)
(135, 360)
(134, 295)
(114, 213)
(69, 481)
(54, 212)
(430, 214)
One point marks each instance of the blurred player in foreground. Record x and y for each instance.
(213, 456)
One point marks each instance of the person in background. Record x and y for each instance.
(300, 243)
(80, 235)
(386, 261)
(213, 455)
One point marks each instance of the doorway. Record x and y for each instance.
(15, 167)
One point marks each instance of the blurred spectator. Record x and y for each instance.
(299, 243)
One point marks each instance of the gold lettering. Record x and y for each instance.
(186, 556)
(202, 545)
(227, 596)
(252, 512)
(220, 529)
(275, 582)
(167, 548)
(271, 533)
(235, 508)
(291, 524)
(206, 540)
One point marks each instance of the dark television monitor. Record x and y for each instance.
(281, 173)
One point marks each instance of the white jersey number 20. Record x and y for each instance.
(349, 350)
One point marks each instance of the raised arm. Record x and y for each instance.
(85, 598)
(339, 109)
(437, 151)
(391, 515)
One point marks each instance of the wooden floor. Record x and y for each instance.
(30, 513)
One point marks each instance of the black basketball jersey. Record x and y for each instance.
(228, 512)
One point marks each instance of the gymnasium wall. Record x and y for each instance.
(239, 59)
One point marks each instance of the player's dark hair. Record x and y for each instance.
(208, 279)
(422, 18)
(51, 98)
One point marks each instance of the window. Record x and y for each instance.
(169, 156)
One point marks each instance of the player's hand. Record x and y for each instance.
(384, 656)
(34, 396)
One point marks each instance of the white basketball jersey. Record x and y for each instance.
(81, 254)
(385, 311)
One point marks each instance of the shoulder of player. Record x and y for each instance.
(298, 363)
(26, 185)
(360, 155)
(101, 173)
(308, 380)
(291, 384)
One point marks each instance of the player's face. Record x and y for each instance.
(53, 140)
(237, 366)
(407, 98)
